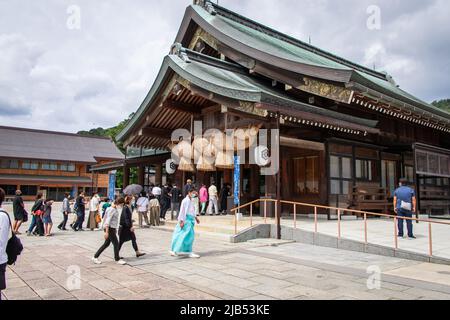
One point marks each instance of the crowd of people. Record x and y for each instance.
(151, 206)
(115, 217)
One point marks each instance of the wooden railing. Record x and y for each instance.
(340, 213)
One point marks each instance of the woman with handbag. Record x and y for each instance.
(93, 220)
(36, 222)
(20, 215)
(126, 229)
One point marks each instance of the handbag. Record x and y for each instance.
(98, 218)
(25, 216)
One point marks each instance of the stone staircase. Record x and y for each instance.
(218, 225)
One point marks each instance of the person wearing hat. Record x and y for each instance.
(405, 205)
(187, 187)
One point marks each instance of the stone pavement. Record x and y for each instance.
(60, 268)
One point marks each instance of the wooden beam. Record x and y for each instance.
(182, 107)
(156, 133)
(318, 118)
(244, 123)
(301, 144)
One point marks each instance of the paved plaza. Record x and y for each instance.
(60, 267)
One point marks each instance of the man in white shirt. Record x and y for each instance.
(142, 207)
(5, 229)
(213, 207)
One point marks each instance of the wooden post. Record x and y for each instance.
(365, 228)
(158, 174)
(278, 203)
(126, 176)
(295, 216)
(141, 174)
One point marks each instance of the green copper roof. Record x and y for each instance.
(241, 87)
(229, 26)
(229, 84)
(267, 43)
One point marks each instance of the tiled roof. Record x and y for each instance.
(47, 145)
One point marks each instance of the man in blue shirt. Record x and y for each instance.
(405, 205)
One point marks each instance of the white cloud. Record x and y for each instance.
(55, 78)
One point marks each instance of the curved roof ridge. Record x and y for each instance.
(294, 41)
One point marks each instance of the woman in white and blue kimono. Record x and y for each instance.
(184, 234)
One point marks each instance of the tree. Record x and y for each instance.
(442, 104)
(110, 132)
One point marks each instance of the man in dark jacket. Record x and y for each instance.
(175, 196)
(19, 212)
(80, 211)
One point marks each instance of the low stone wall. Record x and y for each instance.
(265, 231)
(261, 231)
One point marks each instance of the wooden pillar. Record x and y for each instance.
(141, 175)
(158, 174)
(126, 176)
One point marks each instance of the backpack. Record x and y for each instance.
(14, 247)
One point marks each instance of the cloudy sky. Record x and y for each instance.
(56, 76)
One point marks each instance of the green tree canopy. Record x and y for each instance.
(442, 104)
(110, 132)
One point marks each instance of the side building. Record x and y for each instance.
(53, 162)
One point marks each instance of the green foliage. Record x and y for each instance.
(110, 132)
(442, 104)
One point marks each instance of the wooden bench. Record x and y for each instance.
(370, 198)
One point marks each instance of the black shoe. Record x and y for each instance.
(81, 229)
(412, 237)
(59, 227)
(140, 255)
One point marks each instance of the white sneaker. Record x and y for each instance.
(121, 262)
(194, 256)
(96, 261)
(173, 254)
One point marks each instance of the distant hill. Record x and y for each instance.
(110, 132)
(442, 104)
